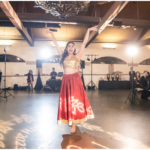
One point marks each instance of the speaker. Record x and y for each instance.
(118, 23)
(91, 87)
(82, 64)
(23, 87)
(15, 86)
(38, 63)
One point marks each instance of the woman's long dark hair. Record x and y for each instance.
(65, 54)
(136, 74)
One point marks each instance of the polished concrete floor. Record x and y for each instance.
(30, 122)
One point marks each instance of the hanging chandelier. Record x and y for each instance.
(63, 9)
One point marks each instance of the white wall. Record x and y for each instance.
(23, 50)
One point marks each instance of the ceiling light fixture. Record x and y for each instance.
(63, 9)
(5, 42)
(109, 46)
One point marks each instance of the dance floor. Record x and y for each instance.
(30, 122)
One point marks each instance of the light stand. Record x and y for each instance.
(5, 90)
(45, 86)
(82, 66)
(132, 97)
(92, 83)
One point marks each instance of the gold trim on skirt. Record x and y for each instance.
(75, 121)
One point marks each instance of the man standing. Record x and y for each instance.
(131, 74)
(53, 74)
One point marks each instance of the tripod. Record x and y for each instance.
(132, 97)
(5, 89)
(45, 86)
(91, 82)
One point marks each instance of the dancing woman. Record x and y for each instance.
(74, 106)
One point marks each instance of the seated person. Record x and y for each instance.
(53, 74)
(0, 78)
(137, 80)
(143, 82)
(148, 85)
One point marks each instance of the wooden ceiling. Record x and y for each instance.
(134, 16)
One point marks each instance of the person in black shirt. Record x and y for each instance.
(130, 74)
(143, 82)
(137, 79)
(0, 78)
(143, 79)
(30, 79)
(53, 74)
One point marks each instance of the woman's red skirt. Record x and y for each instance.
(74, 106)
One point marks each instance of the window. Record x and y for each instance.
(10, 58)
(145, 62)
(108, 60)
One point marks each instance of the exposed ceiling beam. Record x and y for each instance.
(93, 11)
(11, 37)
(143, 43)
(16, 37)
(30, 24)
(144, 31)
(134, 22)
(109, 16)
(11, 14)
(21, 7)
(86, 20)
(97, 11)
(51, 19)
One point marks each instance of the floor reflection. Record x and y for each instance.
(84, 140)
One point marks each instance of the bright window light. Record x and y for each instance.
(5, 42)
(132, 50)
(45, 53)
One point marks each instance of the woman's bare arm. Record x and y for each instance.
(80, 52)
(55, 43)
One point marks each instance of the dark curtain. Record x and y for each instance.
(38, 85)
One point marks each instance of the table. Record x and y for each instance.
(108, 85)
(53, 84)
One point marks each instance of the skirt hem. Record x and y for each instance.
(75, 121)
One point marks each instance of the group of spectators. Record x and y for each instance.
(141, 82)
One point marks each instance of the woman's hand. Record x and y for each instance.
(80, 52)
(95, 28)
